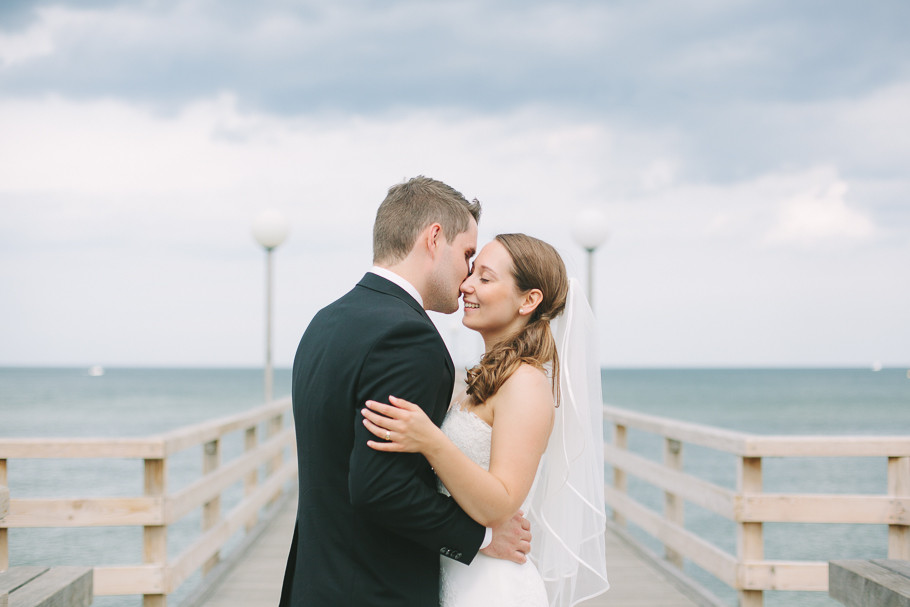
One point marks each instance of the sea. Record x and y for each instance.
(70, 402)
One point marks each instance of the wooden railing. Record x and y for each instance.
(747, 571)
(158, 508)
(4, 510)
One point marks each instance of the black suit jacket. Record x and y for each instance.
(370, 525)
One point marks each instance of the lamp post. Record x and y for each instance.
(269, 229)
(590, 231)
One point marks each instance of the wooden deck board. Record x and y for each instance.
(256, 581)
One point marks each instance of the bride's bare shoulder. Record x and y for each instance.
(528, 383)
(529, 376)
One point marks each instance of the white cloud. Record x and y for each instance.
(36, 41)
(132, 214)
(128, 229)
(820, 215)
(110, 149)
(658, 175)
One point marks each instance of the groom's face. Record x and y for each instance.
(450, 271)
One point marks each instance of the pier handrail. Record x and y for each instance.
(747, 571)
(158, 508)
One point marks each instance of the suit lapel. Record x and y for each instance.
(375, 282)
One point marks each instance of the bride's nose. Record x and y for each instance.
(466, 285)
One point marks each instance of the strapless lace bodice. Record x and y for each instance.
(470, 434)
(487, 582)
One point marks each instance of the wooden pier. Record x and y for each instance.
(255, 579)
(266, 469)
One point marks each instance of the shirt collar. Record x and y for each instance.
(398, 280)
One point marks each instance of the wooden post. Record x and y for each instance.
(620, 481)
(673, 504)
(273, 428)
(249, 483)
(899, 486)
(4, 502)
(749, 541)
(4, 532)
(154, 537)
(211, 510)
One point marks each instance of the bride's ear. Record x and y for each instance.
(530, 301)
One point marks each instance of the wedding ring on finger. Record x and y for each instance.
(388, 435)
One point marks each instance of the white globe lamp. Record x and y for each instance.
(590, 231)
(270, 229)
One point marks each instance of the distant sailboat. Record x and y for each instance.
(877, 366)
(96, 371)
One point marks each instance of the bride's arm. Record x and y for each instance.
(522, 420)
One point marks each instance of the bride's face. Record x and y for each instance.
(491, 298)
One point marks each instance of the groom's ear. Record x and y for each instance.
(433, 238)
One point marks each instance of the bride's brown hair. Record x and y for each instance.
(535, 265)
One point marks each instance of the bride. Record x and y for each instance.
(525, 433)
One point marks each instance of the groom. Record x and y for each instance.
(371, 525)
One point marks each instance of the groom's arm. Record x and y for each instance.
(387, 487)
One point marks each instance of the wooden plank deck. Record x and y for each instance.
(256, 580)
(634, 582)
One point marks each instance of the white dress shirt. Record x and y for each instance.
(398, 280)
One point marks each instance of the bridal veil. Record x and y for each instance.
(567, 507)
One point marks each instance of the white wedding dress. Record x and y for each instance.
(486, 582)
(567, 564)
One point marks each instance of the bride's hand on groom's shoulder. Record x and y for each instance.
(402, 426)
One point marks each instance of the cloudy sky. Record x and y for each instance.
(752, 158)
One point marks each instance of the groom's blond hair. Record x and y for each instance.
(410, 207)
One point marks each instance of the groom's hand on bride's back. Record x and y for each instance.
(511, 540)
